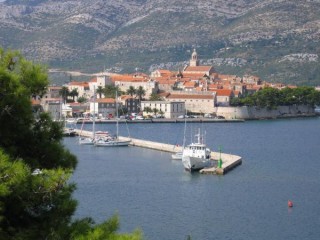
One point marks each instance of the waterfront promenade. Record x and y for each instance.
(162, 120)
(229, 161)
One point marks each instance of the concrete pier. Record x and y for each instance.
(229, 161)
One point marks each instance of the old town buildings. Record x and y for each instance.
(200, 88)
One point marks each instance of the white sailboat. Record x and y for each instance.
(196, 155)
(112, 141)
(178, 155)
(87, 140)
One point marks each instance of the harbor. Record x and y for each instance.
(228, 161)
(159, 189)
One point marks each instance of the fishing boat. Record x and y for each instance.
(112, 141)
(196, 155)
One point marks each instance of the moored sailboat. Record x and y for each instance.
(112, 141)
(89, 140)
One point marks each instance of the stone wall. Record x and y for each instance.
(261, 113)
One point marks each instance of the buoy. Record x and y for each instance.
(290, 203)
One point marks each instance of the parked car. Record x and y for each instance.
(183, 116)
(139, 118)
(158, 116)
(208, 115)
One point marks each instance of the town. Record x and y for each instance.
(194, 91)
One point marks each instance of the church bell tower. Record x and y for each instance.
(194, 62)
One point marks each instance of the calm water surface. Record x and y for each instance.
(281, 161)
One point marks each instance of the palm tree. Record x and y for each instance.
(100, 91)
(131, 91)
(74, 93)
(140, 92)
(110, 91)
(64, 93)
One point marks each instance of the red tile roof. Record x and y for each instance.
(198, 69)
(190, 96)
(223, 92)
(125, 97)
(190, 84)
(105, 100)
(80, 84)
(129, 78)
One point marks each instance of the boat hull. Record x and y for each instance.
(86, 141)
(112, 143)
(177, 156)
(194, 163)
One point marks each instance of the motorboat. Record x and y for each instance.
(196, 155)
(177, 156)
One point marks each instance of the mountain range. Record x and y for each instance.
(277, 40)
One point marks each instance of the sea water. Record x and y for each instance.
(148, 190)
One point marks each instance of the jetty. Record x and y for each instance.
(228, 161)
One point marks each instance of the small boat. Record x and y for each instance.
(89, 140)
(177, 156)
(71, 120)
(86, 141)
(112, 141)
(69, 132)
(196, 156)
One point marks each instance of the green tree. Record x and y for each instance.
(155, 111)
(74, 93)
(100, 90)
(64, 93)
(147, 110)
(82, 99)
(155, 97)
(131, 91)
(35, 193)
(236, 102)
(271, 97)
(110, 91)
(140, 92)
(161, 112)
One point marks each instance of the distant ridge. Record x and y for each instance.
(277, 40)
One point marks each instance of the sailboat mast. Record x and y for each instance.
(117, 113)
(94, 113)
(184, 131)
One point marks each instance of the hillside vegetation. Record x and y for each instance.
(277, 40)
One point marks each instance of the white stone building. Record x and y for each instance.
(170, 109)
(195, 102)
